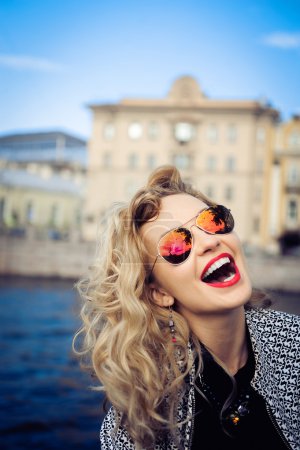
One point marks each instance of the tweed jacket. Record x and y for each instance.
(275, 339)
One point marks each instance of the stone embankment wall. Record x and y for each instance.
(45, 258)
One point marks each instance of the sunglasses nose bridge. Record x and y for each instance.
(203, 240)
(199, 228)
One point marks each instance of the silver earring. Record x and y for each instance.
(172, 325)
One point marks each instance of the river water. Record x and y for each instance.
(45, 400)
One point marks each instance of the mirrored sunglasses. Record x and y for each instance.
(175, 245)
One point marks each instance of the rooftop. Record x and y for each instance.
(23, 179)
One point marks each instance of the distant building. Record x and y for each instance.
(285, 185)
(55, 147)
(42, 184)
(224, 147)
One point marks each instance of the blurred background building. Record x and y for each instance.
(238, 152)
(42, 184)
(225, 148)
(285, 218)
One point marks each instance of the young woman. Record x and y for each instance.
(184, 358)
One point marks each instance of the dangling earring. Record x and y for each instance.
(171, 324)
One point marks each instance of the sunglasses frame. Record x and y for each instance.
(188, 229)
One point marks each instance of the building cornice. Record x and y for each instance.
(252, 107)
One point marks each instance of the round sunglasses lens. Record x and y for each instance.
(216, 220)
(176, 245)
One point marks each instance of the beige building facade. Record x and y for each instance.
(285, 183)
(223, 147)
(42, 182)
(23, 206)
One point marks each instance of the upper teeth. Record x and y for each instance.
(216, 265)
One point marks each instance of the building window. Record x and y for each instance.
(182, 161)
(153, 130)
(151, 161)
(256, 224)
(211, 163)
(209, 191)
(230, 164)
(15, 218)
(135, 131)
(107, 159)
(232, 133)
(259, 165)
(212, 133)
(257, 194)
(77, 217)
(2, 210)
(294, 139)
(260, 135)
(109, 131)
(55, 215)
(292, 211)
(133, 161)
(293, 175)
(30, 213)
(228, 194)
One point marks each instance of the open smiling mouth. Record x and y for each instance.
(221, 271)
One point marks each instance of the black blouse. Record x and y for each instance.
(245, 424)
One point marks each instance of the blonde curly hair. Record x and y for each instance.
(125, 334)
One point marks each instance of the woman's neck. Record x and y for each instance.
(225, 337)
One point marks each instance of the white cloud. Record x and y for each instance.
(282, 40)
(21, 62)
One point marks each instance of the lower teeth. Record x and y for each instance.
(229, 278)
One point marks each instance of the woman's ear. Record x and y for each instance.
(160, 296)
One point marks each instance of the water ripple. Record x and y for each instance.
(45, 400)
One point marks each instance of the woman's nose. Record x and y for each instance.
(204, 242)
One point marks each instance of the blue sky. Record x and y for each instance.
(58, 56)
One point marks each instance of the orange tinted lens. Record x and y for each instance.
(176, 245)
(216, 220)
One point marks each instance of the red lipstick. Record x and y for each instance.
(211, 268)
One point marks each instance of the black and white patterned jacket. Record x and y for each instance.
(275, 338)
